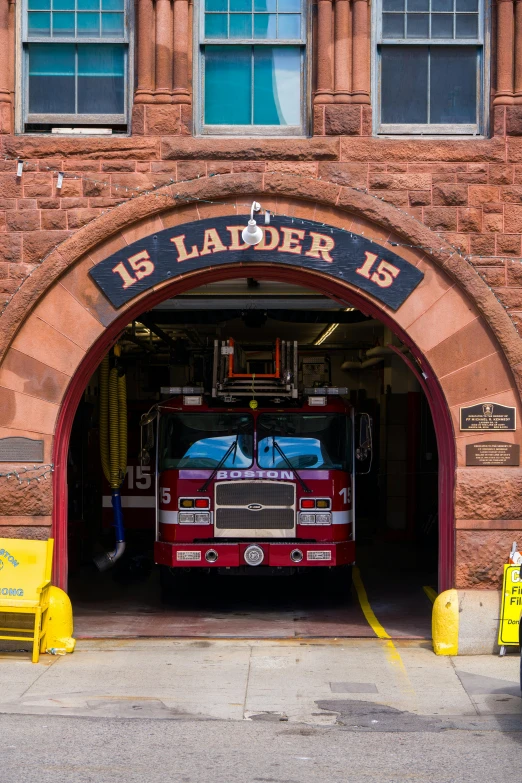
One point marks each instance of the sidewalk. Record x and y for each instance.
(360, 683)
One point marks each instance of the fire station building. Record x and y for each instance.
(383, 142)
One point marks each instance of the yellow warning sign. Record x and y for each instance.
(511, 606)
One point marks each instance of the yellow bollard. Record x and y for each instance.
(445, 623)
(58, 623)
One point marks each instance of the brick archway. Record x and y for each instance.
(57, 327)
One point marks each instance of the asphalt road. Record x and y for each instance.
(98, 750)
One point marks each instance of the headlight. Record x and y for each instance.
(203, 518)
(185, 518)
(307, 519)
(323, 519)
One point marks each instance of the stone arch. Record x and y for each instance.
(58, 325)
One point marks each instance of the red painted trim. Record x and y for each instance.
(305, 277)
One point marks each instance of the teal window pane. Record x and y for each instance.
(240, 25)
(216, 5)
(289, 6)
(112, 25)
(241, 5)
(51, 78)
(39, 23)
(277, 85)
(88, 24)
(100, 60)
(264, 5)
(101, 82)
(228, 73)
(88, 5)
(289, 26)
(63, 24)
(216, 25)
(112, 5)
(63, 5)
(265, 25)
(39, 5)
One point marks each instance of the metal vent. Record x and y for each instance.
(259, 508)
(267, 493)
(244, 519)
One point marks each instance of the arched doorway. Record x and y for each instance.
(71, 326)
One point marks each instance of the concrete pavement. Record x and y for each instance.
(312, 682)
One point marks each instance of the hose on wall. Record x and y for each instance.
(113, 448)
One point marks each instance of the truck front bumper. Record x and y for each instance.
(232, 555)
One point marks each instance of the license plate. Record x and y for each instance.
(188, 555)
(319, 555)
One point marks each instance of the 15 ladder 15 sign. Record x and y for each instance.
(290, 241)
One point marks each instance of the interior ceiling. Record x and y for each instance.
(251, 311)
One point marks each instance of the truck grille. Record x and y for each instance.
(276, 501)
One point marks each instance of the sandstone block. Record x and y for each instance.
(470, 220)
(481, 555)
(399, 181)
(488, 493)
(351, 174)
(87, 147)
(25, 220)
(342, 120)
(37, 185)
(37, 244)
(513, 120)
(162, 120)
(76, 218)
(10, 186)
(319, 121)
(481, 194)
(508, 244)
(11, 247)
(450, 195)
(191, 169)
(183, 148)
(36, 532)
(441, 218)
(420, 198)
(500, 174)
(422, 150)
(25, 499)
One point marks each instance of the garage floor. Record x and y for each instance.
(252, 607)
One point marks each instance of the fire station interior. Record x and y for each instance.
(396, 482)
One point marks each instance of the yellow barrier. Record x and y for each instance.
(25, 581)
(58, 623)
(445, 623)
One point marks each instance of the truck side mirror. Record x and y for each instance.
(147, 436)
(364, 440)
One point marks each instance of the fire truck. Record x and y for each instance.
(255, 477)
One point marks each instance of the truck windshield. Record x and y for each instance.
(195, 440)
(309, 442)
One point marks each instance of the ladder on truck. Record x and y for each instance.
(230, 378)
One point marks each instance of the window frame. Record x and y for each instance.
(199, 43)
(23, 117)
(436, 130)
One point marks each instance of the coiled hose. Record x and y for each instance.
(113, 449)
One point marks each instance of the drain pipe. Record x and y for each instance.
(113, 449)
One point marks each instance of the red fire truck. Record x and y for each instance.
(257, 476)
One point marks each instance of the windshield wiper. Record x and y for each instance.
(281, 453)
(231, 448)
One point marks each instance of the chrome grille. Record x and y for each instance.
(267, 493)
(244, 519)
(275, 501)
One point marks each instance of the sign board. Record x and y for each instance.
(493, 453)
(289, 241)
(511, 606)
(25, 564)
(487, 416)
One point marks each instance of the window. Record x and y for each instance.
(75, 63)
(309, 442)
(252, 74)
(430, 66)
(195, 441)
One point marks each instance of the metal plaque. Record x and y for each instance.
(493, 453)
(290, 241)
(21, 450)
(487, 416)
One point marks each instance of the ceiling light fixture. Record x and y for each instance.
(330, 329)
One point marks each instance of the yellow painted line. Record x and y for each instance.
(392, 653)
(365, 606)
(430, 592)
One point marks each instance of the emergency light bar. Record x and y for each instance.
(327, 390)
(171, 390)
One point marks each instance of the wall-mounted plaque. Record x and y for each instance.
(21, 450)
(488, 416)
(493, 453)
